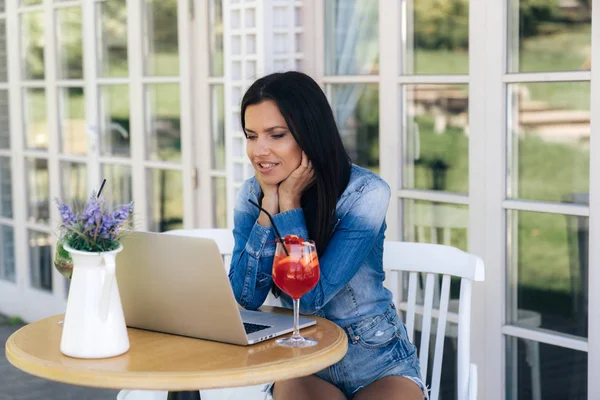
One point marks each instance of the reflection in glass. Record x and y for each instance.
(356, 110)
(118, 189)
(6, 204)
(112, 38)
(165, 194)
(549, 141)
(38, 191)
(114, 120)
(219, 192)
(35, 122)
(30, 2)
(3, 50)
(74, 180)
(72, 120)
(40, 260)
(541, 371)
(215, 26)
(549, 35)
(164, 141)
(437, 37)
(4, 120)
(351, 37)
(437, 223)
(217, 102)
(436, 141)
(548, 271)
(7, 254)
(160, 34)
(69, 43)
(32, 45)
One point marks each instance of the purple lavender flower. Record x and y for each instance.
(92, 213)
(66, 214)
(121, 214)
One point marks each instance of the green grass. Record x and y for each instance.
(547, 171)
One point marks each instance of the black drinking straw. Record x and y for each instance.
(274, 226)
(101, 187)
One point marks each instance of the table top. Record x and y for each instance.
(157, 361)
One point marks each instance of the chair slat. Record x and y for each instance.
(439, 339)
(426, 325)
(410, 311)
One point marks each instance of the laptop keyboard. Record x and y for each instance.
(251, 328)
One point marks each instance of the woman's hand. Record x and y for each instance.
(291, 189)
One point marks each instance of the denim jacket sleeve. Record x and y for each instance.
(250, 273)
(352, 240)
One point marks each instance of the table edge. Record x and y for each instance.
(172, 381)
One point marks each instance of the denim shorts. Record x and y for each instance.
(377, 347)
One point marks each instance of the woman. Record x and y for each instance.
(305, 180)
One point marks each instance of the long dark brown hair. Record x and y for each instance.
(310, 120)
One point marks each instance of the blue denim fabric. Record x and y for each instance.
(351, 283)
(350, 290)
(377, 347)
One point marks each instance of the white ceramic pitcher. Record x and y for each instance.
(94, 326)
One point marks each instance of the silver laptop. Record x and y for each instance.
(178, 285)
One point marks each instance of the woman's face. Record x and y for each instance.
(270, 145)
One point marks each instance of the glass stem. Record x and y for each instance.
(296, 334)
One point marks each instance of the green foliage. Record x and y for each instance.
(441, 24)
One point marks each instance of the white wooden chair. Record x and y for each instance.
(433, 260)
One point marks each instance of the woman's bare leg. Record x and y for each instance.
(392, 388)
(306, 388)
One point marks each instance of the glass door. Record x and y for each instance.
(98, 89)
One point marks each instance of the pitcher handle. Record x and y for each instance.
(109, 277)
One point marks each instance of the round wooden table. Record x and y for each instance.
(158, 361)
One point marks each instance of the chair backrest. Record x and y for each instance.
(433, 260)
(223, 238)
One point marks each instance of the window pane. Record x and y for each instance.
(356, 110)
(351, 37)
(38, 191)
(215, 24)
(72, 120)
(165, 200)
(436, 141)
(550, 35)
(6, 205)
(164, 141)
(119, 189)
(112, 38)
(32, 45)
(7, 254)
(4, 120)
(30, 2)
(219, 191)
(69, 37)
(35, 121)
(437, 37)
(542, 371)
(74, 182)
(3, 50)
(549, 141)
(40, 260)
(160, 27)
(114, 120)
(437, 223)
(217, 104)
(548, 271)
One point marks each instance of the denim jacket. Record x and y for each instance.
(351, 283)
